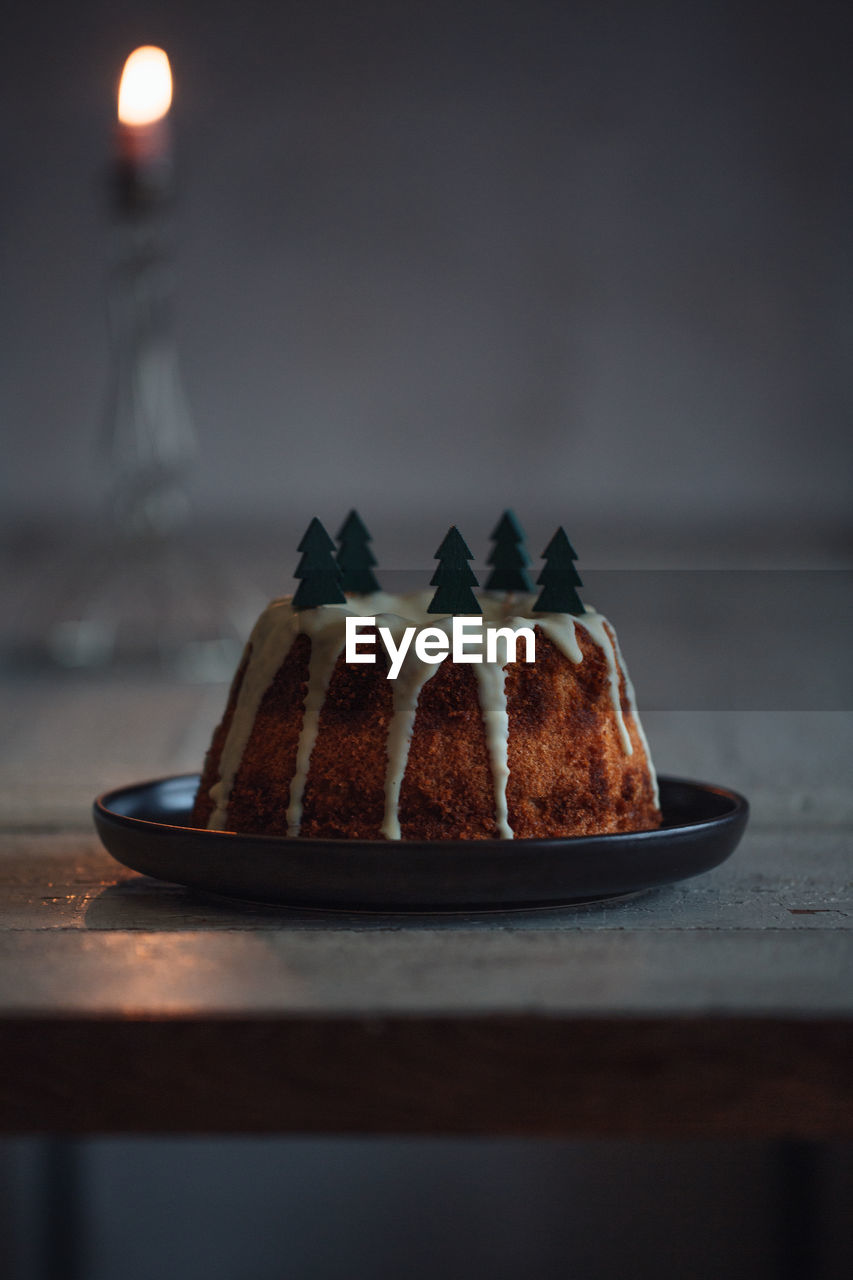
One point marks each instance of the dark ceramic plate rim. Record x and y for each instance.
(418, 875)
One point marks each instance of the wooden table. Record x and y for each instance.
(719, 1006)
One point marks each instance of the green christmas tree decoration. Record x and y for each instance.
(559, 577)
(320, 577)
(454, 577)
(508, 557)
(508, 527)
(354, 557)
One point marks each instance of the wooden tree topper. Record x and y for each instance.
(559, 577)
(454, 577)
(354, 558)
(320, 577)
(508, 557)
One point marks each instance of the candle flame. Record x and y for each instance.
(145, 92)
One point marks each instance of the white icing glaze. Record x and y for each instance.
(278, 627)
(491, 677)
(407, 689)
(326, 645)
(641, 733)
(269, 644)
(560, 628)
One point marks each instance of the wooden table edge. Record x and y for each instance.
(505, 1074)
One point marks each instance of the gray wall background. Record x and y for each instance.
(589, 259)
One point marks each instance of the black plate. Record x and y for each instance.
(145, 827)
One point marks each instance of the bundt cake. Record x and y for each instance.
(312, 744)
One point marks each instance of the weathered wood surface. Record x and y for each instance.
(778, 879)
(716, 1006)
(721, 1005)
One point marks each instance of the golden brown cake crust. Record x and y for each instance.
(259, 796)
(345, 789)
(569, 772)
(447, 791)
(203, 807)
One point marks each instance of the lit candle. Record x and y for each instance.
(144, 139)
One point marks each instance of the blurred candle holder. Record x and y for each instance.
(146, 596)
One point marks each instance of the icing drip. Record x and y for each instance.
(641, 733)
(558, 627)
(492, 681)
(278, 627)
(325, 648)
(269, 644)
(407, 689)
